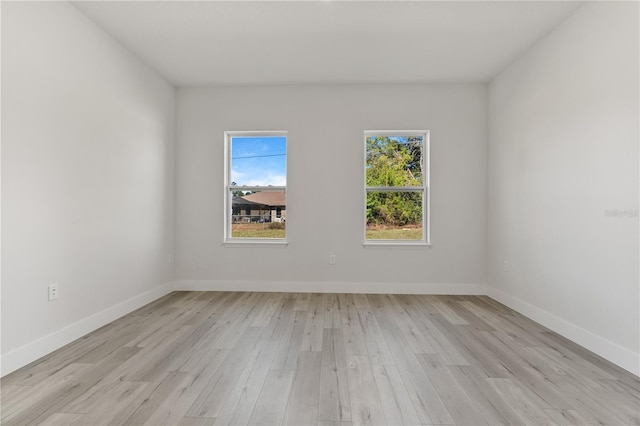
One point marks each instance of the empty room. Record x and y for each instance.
(320, 212)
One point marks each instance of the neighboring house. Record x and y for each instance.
(248, 211)
(269, 206)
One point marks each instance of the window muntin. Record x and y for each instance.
(255, 186)
(396, 187)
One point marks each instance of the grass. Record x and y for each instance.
(408, 232)
(255, 230)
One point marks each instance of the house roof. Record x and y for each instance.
(240, 201)
(270, 198)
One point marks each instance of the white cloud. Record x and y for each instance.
(266, 180)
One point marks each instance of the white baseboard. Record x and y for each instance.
(611, 351)
(30, 352)
(329, 287)
(607, 349)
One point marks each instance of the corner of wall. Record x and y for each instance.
(607, 349)
(32, 351)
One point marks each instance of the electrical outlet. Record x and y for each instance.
(332, 259)
(53, 291)
(506, 266)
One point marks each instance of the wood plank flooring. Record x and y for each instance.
(226, 358)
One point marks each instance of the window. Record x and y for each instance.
(396, 187)
(255, 187)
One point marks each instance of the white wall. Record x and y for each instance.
(87, 179)
(325, 192)
(563, 150)
(88, 183)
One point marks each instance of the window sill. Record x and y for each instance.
(255, 243)
(399, 244)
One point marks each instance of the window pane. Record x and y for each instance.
(394, 215)
(258, 161)
(258, 215)
(394, 160)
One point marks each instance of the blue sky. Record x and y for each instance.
(259, 160)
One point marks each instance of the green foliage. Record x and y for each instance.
(236, 193)
(394, 161)
(394, 208)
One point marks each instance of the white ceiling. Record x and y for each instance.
(194, 43)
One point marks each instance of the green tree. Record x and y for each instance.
(236, 193)
(394, 161)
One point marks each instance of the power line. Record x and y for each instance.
(259, 156)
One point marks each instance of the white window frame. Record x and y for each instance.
(256, 242)
(425, 188)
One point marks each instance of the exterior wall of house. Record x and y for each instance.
(271, 215)
(281, 217)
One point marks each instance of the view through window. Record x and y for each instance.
(256, 185)
(396, 179)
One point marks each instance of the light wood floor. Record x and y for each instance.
(204, 358)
